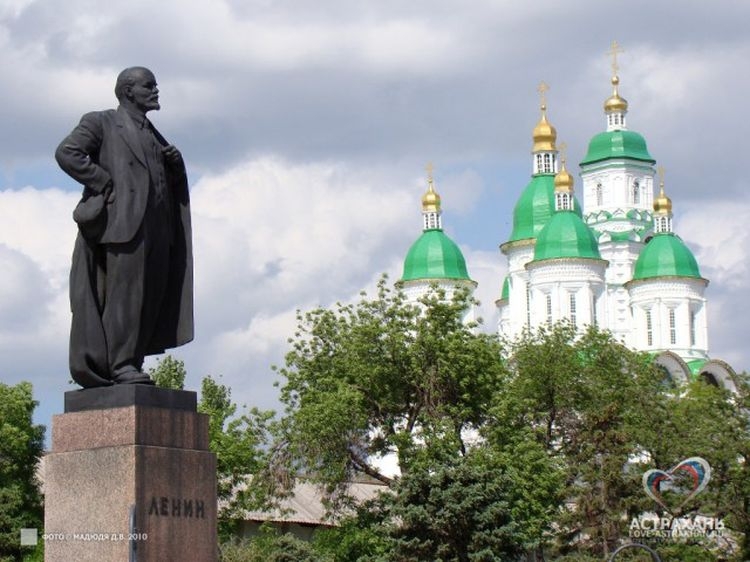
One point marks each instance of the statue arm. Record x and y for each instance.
(78, 154)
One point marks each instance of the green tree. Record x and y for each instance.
(169, 373)
(703, 420)
(475, 508)
(269, 546)
(384, 377)
(21, 447)
(585, 398)
(362, 535)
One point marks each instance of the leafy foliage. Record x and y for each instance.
(584, 397)
(470, 509)
(536, 445)
(269, 546)
(382, 377)
(21, 447)
(169, 373)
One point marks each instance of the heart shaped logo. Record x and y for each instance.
(687, 478)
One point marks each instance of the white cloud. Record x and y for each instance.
(37, 233)
(38, 223)
(717, 232)
(271, 237)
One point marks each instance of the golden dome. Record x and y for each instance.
(430, 200)
(544, 134)
(614, 103)
(563, 180)
(662, 204)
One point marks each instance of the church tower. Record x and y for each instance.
(533, 210)
(566, 276)
(666, 292)
(617, 175)
(434, 259)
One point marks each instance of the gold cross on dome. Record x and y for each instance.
(660, 170)
(614, 50)
(563, 148)
(429, 168)
(543, 89)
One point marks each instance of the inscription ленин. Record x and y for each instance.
(177, 507)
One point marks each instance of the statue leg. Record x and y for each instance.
(89, 364)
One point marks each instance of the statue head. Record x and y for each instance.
(136, 88)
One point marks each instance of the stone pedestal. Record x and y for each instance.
(130, 478)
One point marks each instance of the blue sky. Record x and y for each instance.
(306, 128)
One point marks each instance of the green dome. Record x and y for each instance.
(566, 236)
(535, 207)
(617, 144)
(434, 256)
(666, 255)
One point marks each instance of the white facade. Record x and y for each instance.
(567, 289)
(661, 314)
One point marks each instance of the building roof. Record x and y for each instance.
(535, 207)
(566, 236)
(434, 256)
(617, 144)
(665, 255)
(305, 505)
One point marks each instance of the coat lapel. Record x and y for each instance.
(126, 128)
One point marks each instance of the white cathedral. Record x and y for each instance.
(613, 262)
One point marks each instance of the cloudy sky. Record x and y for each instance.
(306, 127)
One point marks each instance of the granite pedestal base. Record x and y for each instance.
(130, 478)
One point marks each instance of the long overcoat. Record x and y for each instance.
(103, 153)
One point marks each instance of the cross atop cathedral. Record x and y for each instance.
(543, 89)
(429, 169)
(614, 50)
(660, 170)
(563, 148)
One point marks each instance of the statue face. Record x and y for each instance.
(143, 93)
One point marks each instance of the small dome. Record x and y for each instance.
(430, 200)
(434, 256)
(535, 207)
(666, 255)
(566, 236)
(662, 204)
(617, 144)
(614, 103)
(544, 134)
(563, 181)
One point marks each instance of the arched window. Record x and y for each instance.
(636, 193)
(528, 306)
(573, 318)
(649, 329)
(547, 163)
(549, 308)
(599, 194)
(672, 327)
